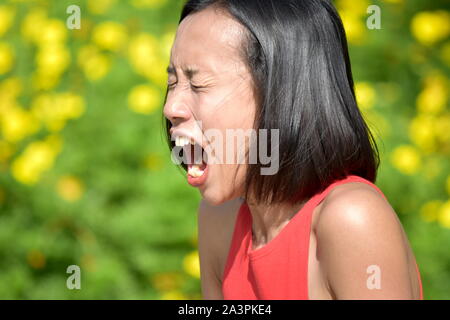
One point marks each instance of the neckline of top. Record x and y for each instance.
(310, 203)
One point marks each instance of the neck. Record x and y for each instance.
(268, 221)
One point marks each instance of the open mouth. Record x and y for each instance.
(195, 159)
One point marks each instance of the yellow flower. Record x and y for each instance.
(109, 35)
(44, 109)
(70, 188)
(430, 210)
(147, 58)
(173, 295)
(71, 105)
(97, 67)
(36, 259)
(355, 29)
(6, 18)
(18, 124)
(100, 6)
(358, 8)
(429, 27)
(52, 59)
(191, 264)
(85, 53)
(142, 47)
(55, 110)
(157, 73)
(54, 31)
(33, 24)
(444, 215)
(7, 102)
(148, 3)
(94, 64)
(37, 158)
(11, 87)
(43, 80)
(365, 94)
(422, 133)
(434, 96)
(143, 99)
(406, 159)
(6, 57)
(442, 128)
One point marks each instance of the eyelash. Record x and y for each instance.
(195, 88)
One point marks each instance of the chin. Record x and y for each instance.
(213, 198)
(217, 197)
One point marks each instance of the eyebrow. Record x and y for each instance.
(189, 72)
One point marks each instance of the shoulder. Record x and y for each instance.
(358, 231)
(357, 205)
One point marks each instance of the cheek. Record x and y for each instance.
(234, 179)
(230, 107)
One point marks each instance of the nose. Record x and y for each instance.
(176, 111)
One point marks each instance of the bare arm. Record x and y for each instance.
(362, 248)
(208, 251)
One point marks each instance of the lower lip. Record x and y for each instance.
(197, 182)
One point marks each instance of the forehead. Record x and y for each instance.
(209, 39)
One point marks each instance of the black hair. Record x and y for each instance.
(297, 53)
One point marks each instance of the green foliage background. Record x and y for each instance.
(86, 178)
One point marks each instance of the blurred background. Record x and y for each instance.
(86, 178)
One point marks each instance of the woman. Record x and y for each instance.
(317, 228)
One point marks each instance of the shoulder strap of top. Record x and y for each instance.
(315, 200)
(242, 222)
(353, 178)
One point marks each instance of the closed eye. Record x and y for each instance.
(196, 87)
(193, 87)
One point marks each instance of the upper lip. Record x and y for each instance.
(184, 133)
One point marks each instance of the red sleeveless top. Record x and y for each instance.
(279, 269)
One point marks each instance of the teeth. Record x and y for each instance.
(195, 171)
(182, 141)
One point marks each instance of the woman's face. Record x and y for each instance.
(210, 91)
